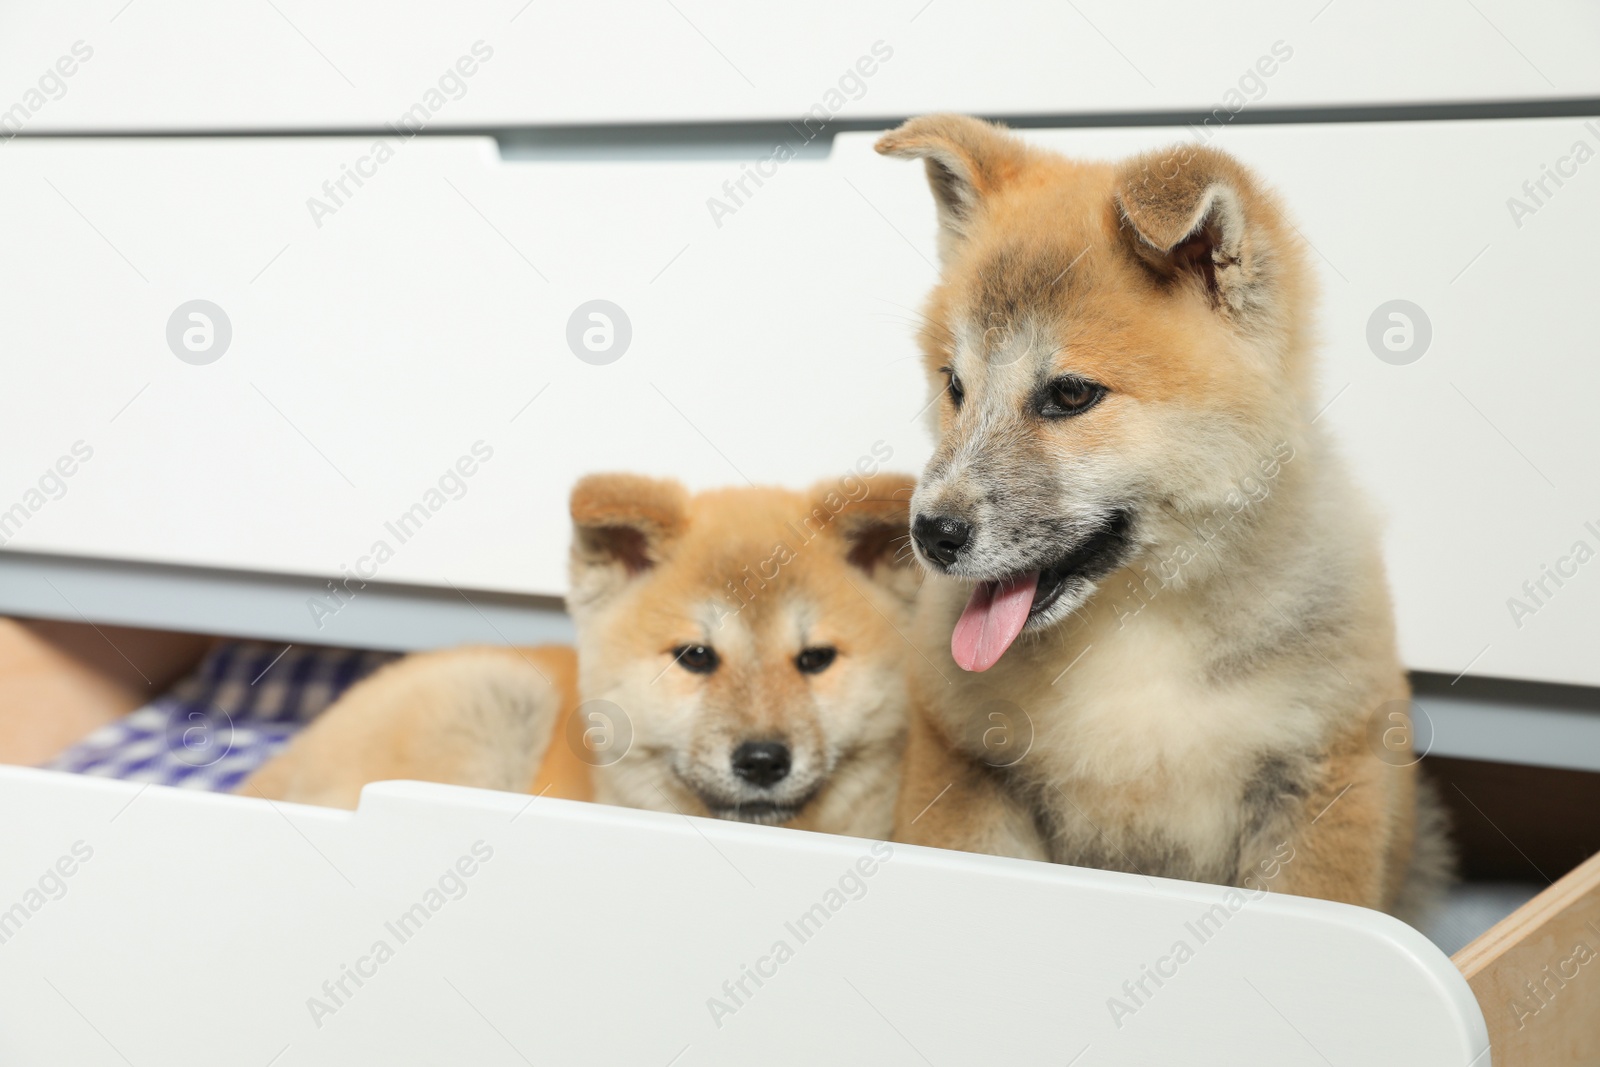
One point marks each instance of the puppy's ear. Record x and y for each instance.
(622, 525)
(1196, 214)
(967, 160)
(876, 530)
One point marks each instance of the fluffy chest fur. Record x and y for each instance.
(1120, 741)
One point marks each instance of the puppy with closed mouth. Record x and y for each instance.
(1156, 633)
(738, 655)
(752, 638)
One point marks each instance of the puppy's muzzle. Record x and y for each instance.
(762, 781)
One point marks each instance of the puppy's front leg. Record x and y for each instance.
(949, 800)
(1349, 840)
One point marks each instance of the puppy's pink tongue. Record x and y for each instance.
(992, 620)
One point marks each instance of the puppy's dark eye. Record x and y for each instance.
(696, 659)
(958, 392)
(1070, 396)
(815, 660)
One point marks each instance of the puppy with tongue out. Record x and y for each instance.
(1154, 628)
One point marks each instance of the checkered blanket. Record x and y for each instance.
(234, 712)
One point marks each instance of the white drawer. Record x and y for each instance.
(431, 309)
(577, 933)
(370, 355)
(184, 65)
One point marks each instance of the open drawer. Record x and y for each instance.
(440, 924)
(437, 922)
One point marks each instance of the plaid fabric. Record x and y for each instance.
(235, 711)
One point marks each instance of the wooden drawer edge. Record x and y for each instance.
(1536, 975)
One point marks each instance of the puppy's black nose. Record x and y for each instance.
(942, 537)
(762, 763)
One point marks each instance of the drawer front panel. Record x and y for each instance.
(404, 367)
(186, 65)
(498, 952)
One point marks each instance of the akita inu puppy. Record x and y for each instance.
(738, 655)
(1157, 621)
